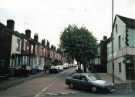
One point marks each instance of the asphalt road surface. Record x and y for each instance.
(53, 85)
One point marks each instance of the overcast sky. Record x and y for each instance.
(49, 17)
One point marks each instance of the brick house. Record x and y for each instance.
(5, 46)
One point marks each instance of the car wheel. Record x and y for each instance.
(94, 89)
(71, 86)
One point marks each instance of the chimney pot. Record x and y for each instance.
(28, 33)
(36, 37)
(10, 24)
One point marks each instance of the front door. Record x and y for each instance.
(130, 71)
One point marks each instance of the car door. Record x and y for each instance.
(76, 81)
(83, 82)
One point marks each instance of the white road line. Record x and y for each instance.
(44, 89)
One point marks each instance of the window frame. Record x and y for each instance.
(119, 42)
(120, 68)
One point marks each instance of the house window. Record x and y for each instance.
(116, 28)
(31, 48)
(119, 42)
(119, 67)
(18, 45)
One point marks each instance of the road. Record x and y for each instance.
(53, 86)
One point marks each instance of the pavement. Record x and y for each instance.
(108, 77)
(127, 86)
(13, 81)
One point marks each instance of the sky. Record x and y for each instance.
(48, 18)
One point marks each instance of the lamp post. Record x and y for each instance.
(112, 39)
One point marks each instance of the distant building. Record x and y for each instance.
(103, 54)
(97, 59)
(101, 58)
(109, 56)
(123, 36)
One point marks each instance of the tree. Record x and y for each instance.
(79, 44)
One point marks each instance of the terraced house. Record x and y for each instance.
(19, 52)
(5, 46)
(123, 37)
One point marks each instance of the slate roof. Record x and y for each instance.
(18, 34)
(129, 22)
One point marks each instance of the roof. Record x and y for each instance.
(109, 40)
(5, 27)
(129, 22)
(18, 34)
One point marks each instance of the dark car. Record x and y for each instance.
(89, 81)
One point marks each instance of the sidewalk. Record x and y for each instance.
(119, 84)
(13, 81)
(108, 77)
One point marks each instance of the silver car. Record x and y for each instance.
(89, 81)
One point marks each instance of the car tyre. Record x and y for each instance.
(71, 86)
(94, 89)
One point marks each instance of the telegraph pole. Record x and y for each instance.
(112, 39)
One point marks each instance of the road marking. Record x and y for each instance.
(58, 93)
(44, 89)
(52, 94)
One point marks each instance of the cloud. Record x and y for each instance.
(50, 17)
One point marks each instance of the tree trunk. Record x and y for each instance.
(78, 65)
(84, 68)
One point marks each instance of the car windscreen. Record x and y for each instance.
(93, 77)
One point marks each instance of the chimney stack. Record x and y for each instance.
(28, 33)
(104, 38)
(36, 37)
(43, 42)
(10, 24)
(48, 44)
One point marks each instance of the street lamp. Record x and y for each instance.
(113, 78)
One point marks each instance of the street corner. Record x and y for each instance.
(125, 86)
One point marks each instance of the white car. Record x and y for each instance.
(54, 69)
(59, 67)
(65, 66)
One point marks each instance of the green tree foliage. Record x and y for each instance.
(78, 43)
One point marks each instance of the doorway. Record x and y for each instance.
(130, 71)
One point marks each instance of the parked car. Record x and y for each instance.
(59, 67)
(89, 81)
(54, 69)
(65, 66)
